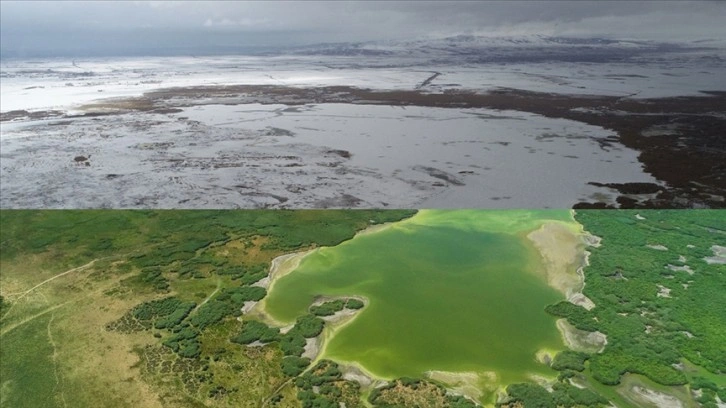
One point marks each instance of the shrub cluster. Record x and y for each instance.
(323, 386)
(563, 395)
(650, 333)
(331, 307)
(253, 330)
(434, 394)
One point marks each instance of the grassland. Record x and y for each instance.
(143, 309)
(74, 283)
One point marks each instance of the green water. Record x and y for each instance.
(448, 290)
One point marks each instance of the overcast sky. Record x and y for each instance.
(126, 27)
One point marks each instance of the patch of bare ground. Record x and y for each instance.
(354, 373)
(564, 257)
(580, 340)
(719, 255)
(312, 348)
(284, 264)
(561, 249)
(469, 384)
(315, 347)
(645, 397)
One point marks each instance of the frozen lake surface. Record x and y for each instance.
(326, 155)
(214, 151)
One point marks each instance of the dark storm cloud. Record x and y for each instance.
(148, 25)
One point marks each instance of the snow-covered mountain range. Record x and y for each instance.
(532, 48)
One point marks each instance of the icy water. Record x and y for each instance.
(487, 158)
(312, 156)
(457, 291)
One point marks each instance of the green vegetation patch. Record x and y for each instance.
(27, 366)
(659, 301)
(253, 331)
(563, 394)
(308, 326)
(332, 307)
(354, 304)
(570, 360)
(293, 365)
(328, 308)
(160, 314)
(324, 386)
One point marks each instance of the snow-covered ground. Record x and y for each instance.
(535, 64)
(328, 155)
(331, 155)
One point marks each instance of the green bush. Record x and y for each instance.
(190, 350)
(253, 331)
(354, 304)
(569, 360)
(328, 308)
(185, 342)
(165, 313)
(153, 277)
(531, 395)
(567, 395)
(698, 383)
(457, 401)
(292, 344)
(176, 317)
(292, 366)
(209, 313)
(309, 326)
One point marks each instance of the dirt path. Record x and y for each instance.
(58, 387)
(23, 294)
(78, 268)
(13, 326)
(219, 286)
(267, 400)
(31, 318)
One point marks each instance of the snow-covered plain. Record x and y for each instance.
(323, 155)
(66, 84)
(328, 155)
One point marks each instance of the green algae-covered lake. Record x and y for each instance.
(447, 290)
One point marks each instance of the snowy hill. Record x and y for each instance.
(484, 49)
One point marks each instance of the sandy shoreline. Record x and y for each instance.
(468, 383)
(282, 265)
(332, 325)
(315, 347)
(285, 264)
(580, 340)
(563, 252)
